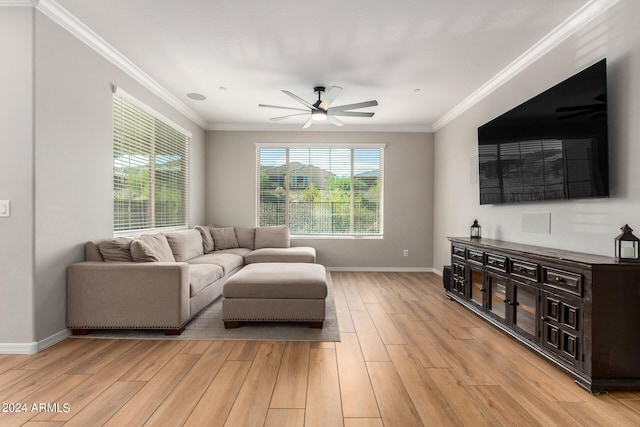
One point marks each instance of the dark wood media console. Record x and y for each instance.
(580, 311)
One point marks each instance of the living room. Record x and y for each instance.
(416, 220)
(57, 166)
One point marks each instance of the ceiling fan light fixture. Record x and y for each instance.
(322, 109)
(319, 115)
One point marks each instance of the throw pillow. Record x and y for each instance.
(185, 244)
(151, 248)
(246, 236)
(207, 240)
(224, 238)
(116, 250)
(272, 237)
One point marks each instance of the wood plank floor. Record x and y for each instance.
(402, 361)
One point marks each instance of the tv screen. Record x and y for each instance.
(554, 146)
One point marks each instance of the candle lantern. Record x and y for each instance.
(475, 229)
(626, 246)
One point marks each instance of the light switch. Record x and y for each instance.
(5, 208)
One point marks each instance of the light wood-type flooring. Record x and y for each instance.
(407, 357)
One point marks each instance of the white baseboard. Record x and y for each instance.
(384, 269)
(54, 339)
(34, 347)
(18, 348)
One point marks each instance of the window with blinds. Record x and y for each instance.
(150, 168)
(325, 191)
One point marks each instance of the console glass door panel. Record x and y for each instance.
(477, 287)
(498, 295)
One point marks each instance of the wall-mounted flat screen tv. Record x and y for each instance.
(554, 146)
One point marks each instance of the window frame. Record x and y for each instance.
(144, 111)
(311, 146)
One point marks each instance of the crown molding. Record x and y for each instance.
(66, 20)
(17, 3)
(569, 26)
(259, 127)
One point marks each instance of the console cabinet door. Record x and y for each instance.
(497, 301)
(459, 278)
(523, 300)
(476, 286)
(562, 326)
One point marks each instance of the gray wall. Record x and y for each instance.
(16, 175)
(582, 225)
(408, 195)
(59, 169)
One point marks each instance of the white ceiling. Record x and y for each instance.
(374, 49)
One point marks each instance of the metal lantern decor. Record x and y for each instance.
(475, 229)
(626, 245)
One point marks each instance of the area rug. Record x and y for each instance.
(208, 325)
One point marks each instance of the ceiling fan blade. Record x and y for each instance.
(282, 108)
(353, 106)
(335, 121)
(308, 123)
(331, 95)
(351, 114)
(275, 119)
(586, 107)
(300, 100)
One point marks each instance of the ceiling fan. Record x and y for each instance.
(322, 110)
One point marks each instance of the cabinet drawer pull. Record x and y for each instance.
(559, 279)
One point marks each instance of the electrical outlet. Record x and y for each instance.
(405, 252)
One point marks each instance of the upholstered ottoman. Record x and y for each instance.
(275, 291)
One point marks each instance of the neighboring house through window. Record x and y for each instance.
(150, 168)
(321, 190)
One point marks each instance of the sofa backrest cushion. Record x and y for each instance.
(185, 244)
(117, 249)
(246, 237)
(272, 237)
(150, 248)
(224, 238)
(91, 251)
(207, 239)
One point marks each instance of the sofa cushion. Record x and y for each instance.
(114, 250)
(237, 251)
(224, 238)
(202, 275)
(295, 254)
(185, 244)
(227, 261)
(150, 248)
(207, 239)
(272, 237)
(246, 236)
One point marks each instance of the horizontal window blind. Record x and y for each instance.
(150, 170)
(321, 190)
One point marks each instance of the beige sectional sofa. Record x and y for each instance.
(162, 280)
